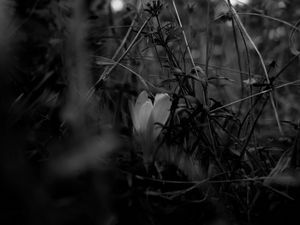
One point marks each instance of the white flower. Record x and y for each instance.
(148, 118)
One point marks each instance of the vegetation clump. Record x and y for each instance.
(149, 112)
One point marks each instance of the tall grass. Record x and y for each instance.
(228, 146)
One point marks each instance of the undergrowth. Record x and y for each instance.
(168, 112)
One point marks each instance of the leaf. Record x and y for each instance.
(287, 179)
(282, 165)
(222, 12)
(93, 153)
(103, 61)
(250, 81)
(292, 43)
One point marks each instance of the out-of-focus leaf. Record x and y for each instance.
(222, 12)
(250, 81)
(103, 61)
(93, 153)
(292, 42)
(286, 179)
(282, 165)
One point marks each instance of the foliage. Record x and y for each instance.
(166, 112)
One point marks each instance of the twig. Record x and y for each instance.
(254, 95)
(271, 18)
(204, 84)
(239, 22)
(184, 37)
(123, 42)
(148, 85)
(174, 194)
(105, 74)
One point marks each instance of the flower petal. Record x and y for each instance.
(143, 116)
(160, 112)
(141, 99)
(135, 109)
(159, 97)
(134, 116)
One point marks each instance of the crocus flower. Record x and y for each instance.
(148, 118)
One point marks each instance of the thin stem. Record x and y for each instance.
(123, 42)
(254, 95)
(204, 84)
(271, 18)
(105, 74)
(239, 62)
(239, 22)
